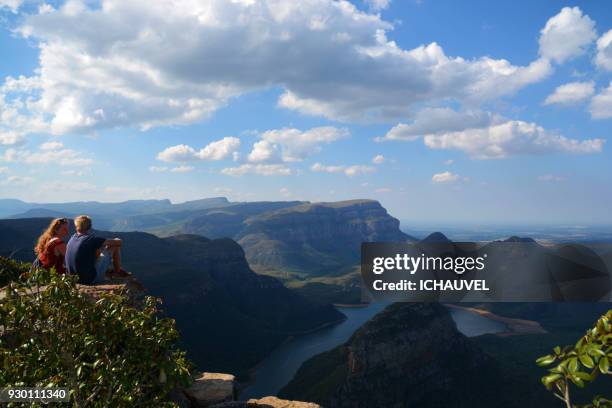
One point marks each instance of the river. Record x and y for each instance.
(282, 364)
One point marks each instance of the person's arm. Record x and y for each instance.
(113, 242)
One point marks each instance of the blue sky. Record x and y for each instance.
(479, 112)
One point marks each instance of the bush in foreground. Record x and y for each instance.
(581, 364)
(106, 352)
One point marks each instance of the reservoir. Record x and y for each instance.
(282, 364)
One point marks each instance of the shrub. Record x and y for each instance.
(581, 364)
(106, 352)
(11, 270)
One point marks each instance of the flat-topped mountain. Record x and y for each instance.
(229, 317)
(316, 238)
(285, 236)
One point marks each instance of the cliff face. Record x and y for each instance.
(229, 317)
(316, 238)
(410, 355)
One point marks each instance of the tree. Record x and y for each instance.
(106, 352)
(581, 364)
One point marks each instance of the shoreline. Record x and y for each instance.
(241, 385)
(514, 326)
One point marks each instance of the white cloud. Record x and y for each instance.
(48, 153)
(603, 59)
(445, 177)
(260, 169)
(571, 93)
(182, 169)
(285, 192)
(10, 138)
(77, 173)
(377, 5)
(378, 159)
(145, 64)
(178, 169)
(601, 104)
(12, 5)
(383, 190)
(437, 120)
(4, 170)
(51, 146)
(218, 150)
(566, 35)
(509, 139)
(17, 181)
(449, 162)
(264, 150)
(292, 145)
(347, 170)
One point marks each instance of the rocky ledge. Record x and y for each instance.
(218, 390)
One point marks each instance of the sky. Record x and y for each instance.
(444, 111)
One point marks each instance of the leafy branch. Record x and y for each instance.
(580, 364)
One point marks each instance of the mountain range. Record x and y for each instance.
(312, 247)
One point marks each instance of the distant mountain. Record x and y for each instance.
(214, 221)
(519, 239)
(107, 215)
(436, 238)
(40, 213)
(286, 236)
(316, 238)
(409, 355)
(229, 317)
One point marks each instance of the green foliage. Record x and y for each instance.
(582, 363)
(11, 270)
(106, 352)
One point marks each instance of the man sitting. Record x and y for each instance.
(90, 257)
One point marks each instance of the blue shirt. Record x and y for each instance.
(81, 254)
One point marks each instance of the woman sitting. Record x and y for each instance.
(51, 248)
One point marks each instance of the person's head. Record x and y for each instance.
(82, 223)
(57, 228)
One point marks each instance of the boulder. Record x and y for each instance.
(273, 402)
(211, 388)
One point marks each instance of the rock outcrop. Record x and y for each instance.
(410, 355)
(210, 389)
(217, 390)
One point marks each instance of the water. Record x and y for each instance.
(472, 324)
(280, 367)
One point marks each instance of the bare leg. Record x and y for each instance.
(116, 252)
